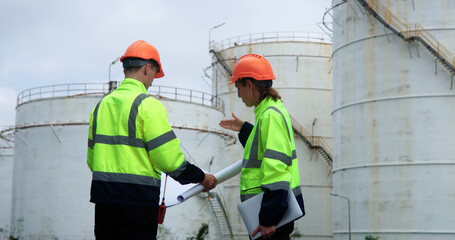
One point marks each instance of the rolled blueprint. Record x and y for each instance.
(222, 176)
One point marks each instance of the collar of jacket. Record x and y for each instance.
(267, 102)
(133, 83)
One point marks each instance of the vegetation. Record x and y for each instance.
(4, 232)
(163, 233)
(202, 233)
(296, 234)
(369, 237)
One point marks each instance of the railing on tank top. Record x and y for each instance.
(186, 95)
(62, 90)
(269, 37)
(101, 89)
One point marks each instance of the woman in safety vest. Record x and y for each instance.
(269, 161)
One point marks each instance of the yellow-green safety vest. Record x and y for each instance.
(130, 142)
(270, 160)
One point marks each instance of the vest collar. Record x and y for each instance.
(267, 102)
(133, 83)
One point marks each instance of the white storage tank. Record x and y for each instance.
(6, 180)
(393, 114)
(301, 64)
(51, 183)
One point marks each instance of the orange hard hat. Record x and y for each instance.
(144, 50)
(252, 66)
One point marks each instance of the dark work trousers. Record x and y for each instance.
(282, 233)
(123, 222)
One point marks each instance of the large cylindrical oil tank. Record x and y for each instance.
(301, 64)
(51, 183)
(6, 180)
(393, 114)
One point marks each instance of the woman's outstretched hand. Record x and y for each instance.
(232, 124)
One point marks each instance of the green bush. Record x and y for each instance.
(202, 233)
(296, 234)
(369, 237)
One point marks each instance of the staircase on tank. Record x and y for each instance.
(312, 142)
(221, 216)
(410, 32)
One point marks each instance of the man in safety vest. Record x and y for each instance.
(269, 162)
(130, 142)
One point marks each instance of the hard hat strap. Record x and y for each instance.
(134, 62)
(264, 83)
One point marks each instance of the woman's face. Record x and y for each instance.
(246, 93)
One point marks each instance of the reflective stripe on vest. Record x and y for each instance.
(131, 139)
(297, 191)
(158, 141)
(254, 162)
(176, 173)
(126, 178)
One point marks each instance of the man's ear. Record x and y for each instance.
(145, 68)
(249, 85)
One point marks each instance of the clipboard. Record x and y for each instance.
(249, 210)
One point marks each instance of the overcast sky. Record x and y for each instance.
(48, 42)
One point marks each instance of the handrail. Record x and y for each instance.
(387, 15)
(62, 90)
(417, 30)
(269, 37)
(101, 89)
(410, 32)
(222, 61)
(6, 133)
(187, 95)
(324, 22)
(313, 142)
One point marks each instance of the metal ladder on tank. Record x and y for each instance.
(410, 32)
(312, 142)
(221, 60)
(221, 216)
(219, 210)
